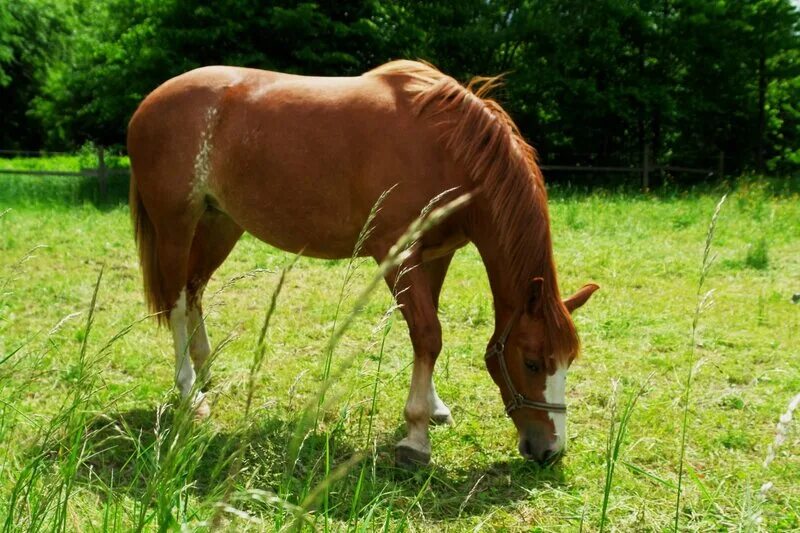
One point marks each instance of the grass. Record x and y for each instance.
(703, 301)
(758, 255)
(617, 431)
(91, 436)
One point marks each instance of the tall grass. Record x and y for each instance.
(703, 301)
(45, 484)
(164, 470)
(383, 329)
(310, 494)
(173, 472)
(751, 516)
(617, 431)
(353, 264)
(618, 426)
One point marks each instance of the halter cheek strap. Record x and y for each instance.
(518, 401)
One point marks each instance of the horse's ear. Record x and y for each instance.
(534, 299)
(580, 297)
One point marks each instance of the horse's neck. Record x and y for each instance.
(509, 291)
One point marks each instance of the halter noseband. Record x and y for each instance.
(518, 401)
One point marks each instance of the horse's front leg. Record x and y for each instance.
(414, 295)
(436, 270)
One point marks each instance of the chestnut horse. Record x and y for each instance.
(299, 162)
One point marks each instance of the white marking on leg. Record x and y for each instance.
(418, 409)
(555, 391)
(199, 347)
(440, 413)
(184, 373)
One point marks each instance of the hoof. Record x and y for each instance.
(204, 379)
(409, 457)
(201, 408)
(442, 419)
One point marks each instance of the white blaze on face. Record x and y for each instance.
(555, 391)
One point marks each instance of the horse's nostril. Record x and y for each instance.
(543, 453)
(527, 449)
(550, 457)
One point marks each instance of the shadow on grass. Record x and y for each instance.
(443, 493)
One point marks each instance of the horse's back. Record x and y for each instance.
(171, 110)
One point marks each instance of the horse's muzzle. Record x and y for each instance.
(537, 449)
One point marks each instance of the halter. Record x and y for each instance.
(518, 401)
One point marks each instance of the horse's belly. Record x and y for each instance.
(324, 245)
(295, 222)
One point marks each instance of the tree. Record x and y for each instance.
(31, 32)
(129, 47)
(587, 82)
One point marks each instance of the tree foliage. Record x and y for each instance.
(29, 39)
(588, 82)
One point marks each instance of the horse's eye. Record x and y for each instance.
(533, 366)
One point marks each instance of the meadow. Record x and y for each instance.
(93, 437)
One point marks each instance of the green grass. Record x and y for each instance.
(758, 255)
(92, 437)
(59, 190)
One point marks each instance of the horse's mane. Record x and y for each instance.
(484, 139)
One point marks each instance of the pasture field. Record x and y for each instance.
(92, 436)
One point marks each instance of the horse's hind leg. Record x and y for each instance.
(173, 244)
(214, 238)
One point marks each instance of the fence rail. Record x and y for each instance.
(102, 172)
(32, 153)
(647, 167)
(26, 172)
(84, 172)
(631, 170)
(582, 168)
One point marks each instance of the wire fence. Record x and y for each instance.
(102, 172)
(645, 170)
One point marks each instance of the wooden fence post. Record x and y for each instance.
(102, 174)
(646, 167)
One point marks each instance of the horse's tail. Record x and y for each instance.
(145, 235)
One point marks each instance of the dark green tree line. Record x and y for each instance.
(588, 82)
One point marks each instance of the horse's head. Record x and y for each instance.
(524, 362)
